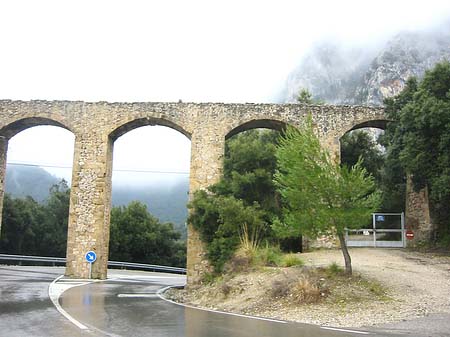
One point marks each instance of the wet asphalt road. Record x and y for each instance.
(127, 305)
(25, 308)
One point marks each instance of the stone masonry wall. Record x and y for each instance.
(417, 215)
(97, 125)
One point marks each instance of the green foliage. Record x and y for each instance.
(249, 166)
(219, 219)
(245, 197)
(419, 138)
(358, 144)
(36, 229)
(320, 196)
(269, 256)
(334, 269)
(292, 260)
(137, 236)
(304, 96)
(53, 230)
(41, 229)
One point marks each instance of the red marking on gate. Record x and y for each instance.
(409, 234)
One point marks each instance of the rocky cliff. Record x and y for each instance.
(366, 74)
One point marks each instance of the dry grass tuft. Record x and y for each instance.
(305, 290)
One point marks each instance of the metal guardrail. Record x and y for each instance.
(62, 260)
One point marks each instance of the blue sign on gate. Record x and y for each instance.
(91, 256)
(380, 218)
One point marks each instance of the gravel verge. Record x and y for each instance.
(418, 285)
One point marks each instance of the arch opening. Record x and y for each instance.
(150, 183)
(374, 124)
(20, 125)
(147, 121)
(247, 187)
(367, 144)
(257, 124)
(37, 186)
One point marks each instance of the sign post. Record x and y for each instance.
(90, 258)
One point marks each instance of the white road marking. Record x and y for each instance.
(345, 330)
(56, 289)
(138, 295)
(161, 291)
(146, 277)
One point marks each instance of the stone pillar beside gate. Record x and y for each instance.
(3, 152)
(207, 151)
(417, 215)
(90, 204)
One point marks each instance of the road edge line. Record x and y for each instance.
(345, 330)
(54, 297)
(160, 293)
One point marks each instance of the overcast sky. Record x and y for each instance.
(211, 51)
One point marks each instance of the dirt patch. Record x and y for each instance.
(393, 285)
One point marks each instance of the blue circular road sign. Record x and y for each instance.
(90, 256)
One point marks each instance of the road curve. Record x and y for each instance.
(127, 304)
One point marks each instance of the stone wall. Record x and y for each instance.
(97, 125)
(417, 215)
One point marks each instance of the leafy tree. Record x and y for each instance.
(358, 144)
(305, 96)
(420, 138)
(320, 196)
(52, 230)
(137, 236)
(246, 195)
(219, 220)
(389, 178)
(19, 222)
(41, 229)
(249, 166)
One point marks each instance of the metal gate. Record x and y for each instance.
(388, 230)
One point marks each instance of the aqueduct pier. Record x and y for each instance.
(97, 125)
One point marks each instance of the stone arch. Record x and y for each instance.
(255, 124)
(377, 123)
(145, 121)
(10, 130)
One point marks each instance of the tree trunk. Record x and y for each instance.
(347, 259)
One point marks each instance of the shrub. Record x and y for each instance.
(291, 260)
(269, 256)
(334, 269)
(218, 220)
(305, 290)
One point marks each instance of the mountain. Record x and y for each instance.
(165, 201)
(22, 181)
(339, 73)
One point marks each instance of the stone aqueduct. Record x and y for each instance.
(97, 125)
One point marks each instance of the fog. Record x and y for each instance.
(201, 51)
(150, 155)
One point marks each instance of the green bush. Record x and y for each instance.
(269, 256)
(291, 260)
(334, 269)
(219, 220)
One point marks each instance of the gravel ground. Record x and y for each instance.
(418, 283)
